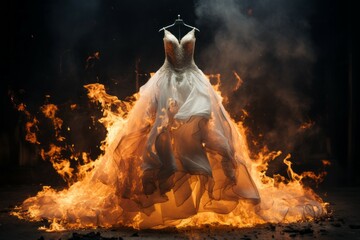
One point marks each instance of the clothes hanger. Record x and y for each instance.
(179, 22)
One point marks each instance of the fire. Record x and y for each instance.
(30, 126)
(239, 81)
(306, 125)
(60, 164)
(30, 135)
(326, 162)
(89, 204)
(49, 110)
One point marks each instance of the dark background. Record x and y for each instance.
(45, 58)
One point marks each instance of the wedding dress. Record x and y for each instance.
(188, 150)
(179, 154)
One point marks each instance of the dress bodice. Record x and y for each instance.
(179, 54)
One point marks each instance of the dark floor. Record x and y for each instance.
(343, 224)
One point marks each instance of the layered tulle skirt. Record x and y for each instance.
(177, 154)
(180, 150)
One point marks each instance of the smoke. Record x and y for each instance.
(268, 43)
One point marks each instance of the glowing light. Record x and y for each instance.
(89, 204)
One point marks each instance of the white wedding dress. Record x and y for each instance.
(178, 154)
(183, 141)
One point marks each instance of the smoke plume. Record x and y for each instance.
(268, 43)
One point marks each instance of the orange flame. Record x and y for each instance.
(326, 162)
(307, 125)
(60, 164)
(30, 126)
(283, 200)
(239, 81)
(49, 110)
(55, 152)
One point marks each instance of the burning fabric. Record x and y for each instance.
(173, 157)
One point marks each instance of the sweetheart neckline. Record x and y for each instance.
(179, 41)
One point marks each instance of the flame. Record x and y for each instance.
(73, 106)
(284, 199)
(31, 124)
(49, 110)
(306, 125)
(215, 80)
(326, 162)
(90, 59)
(60, 164)
(30, 135)
(239, 81)
(56, 226)
(55, 151)
(307, 174)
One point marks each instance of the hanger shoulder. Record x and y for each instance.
(161, 29)
(191, 27)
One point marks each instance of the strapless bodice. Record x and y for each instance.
(179, 55)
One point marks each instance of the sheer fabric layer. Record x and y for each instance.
(178, 154)
(180, 148)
